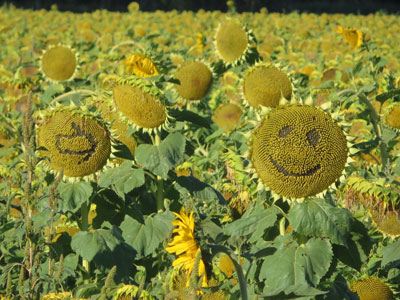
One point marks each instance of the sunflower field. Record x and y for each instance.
(199, 155)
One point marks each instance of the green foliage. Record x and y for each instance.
(73, 195)
(145, 236)
(316, 217)
(159, 159)
(123, 178)
(296, 268)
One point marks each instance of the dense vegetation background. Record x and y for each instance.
(316, 6)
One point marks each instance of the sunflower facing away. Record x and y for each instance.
(184, 245)
(140, 65)
(352, 36)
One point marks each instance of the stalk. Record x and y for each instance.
(239, 271)
(159, 182)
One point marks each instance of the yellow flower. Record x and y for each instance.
(140, 65)
(133, 6)
(184, 245)
(352, 36)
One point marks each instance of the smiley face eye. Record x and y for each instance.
(284, 131)
(313, 137)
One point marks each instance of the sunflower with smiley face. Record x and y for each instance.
(299, 151)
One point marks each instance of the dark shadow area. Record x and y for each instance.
(314, 6)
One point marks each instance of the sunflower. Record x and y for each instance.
(140, 103)
(372, 288)
(185, 246)
(299, 151)
(59, 63)
(140, 65)
(352, 36)
(129, 291)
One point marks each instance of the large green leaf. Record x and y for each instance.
(357, 248)
(198, 189)
(146, 237)
(123, 178)
(160, 159)
(74, 194)
(391, 253)
(316, 217)
(297, 268)
(106, 248)
(253, 222)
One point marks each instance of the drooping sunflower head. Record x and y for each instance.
(232, 41)
(392, 115)
(227, 116)
(298, 151)
(372, 288)
(387, 222)
(265, 85)
(140, 65)
(140, 103)
(59, 63)
(118, 129)
(195, 80)
(129, 291)
(353, 36)
(75, 142)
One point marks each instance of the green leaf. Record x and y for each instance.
(106, 248)
(340, 290)
(160, 159)
(297, 268)
(391, 253)
(189, 116)
(74, 194)
(198, 189)
(49, 92)
(146, 237)
(390, 94)
(41, 218)
(357, 248)
(253, 223)
(316, 217)
(388, 134)
(123, 178)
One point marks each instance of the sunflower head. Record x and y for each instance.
(129, 291)
(386, 222)
(75, 142)
(232, 41)
(264, 85)
(372, 288)
(119, 129)
(227, 116)
(140, 65)
(184, 245)
(195, 80)
(140, 103)
(353, 36)
(392, 115)
(298, 151)
(59, 63)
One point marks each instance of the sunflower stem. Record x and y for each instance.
(239, 271)
(159, 181)
(378, 131)
(89, 92)
(85, 227)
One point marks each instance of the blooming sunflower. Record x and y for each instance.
(184, 245)
(140, 65)
(352, 36)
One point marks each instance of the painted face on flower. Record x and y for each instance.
(299, 151)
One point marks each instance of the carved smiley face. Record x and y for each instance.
(79, 145)
(299, 151)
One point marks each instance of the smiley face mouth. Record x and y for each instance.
(282, 170)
